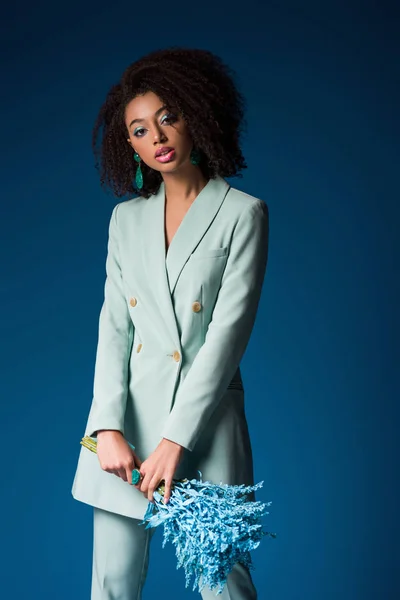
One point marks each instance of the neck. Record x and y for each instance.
(184, 186)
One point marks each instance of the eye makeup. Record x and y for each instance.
(168, 119)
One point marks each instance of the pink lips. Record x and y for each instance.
(162, 150)
(166, 157)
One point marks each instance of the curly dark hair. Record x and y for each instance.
(201, 88)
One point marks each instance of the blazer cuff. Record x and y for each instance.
(178, 439)
(94, 433)
(114, 424)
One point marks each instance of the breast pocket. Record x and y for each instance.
(209, 253)
(206, 267)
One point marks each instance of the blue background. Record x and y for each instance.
(321, 82)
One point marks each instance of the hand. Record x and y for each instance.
(160, 465)
(115, 454)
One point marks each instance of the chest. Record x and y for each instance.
(174, 215)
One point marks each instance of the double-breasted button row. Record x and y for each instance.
(196, 306)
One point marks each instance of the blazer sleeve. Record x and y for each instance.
(115, 336)
(228, 332)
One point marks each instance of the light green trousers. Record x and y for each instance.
(121, 559)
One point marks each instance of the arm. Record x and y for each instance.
(228, 332)
(114, 345)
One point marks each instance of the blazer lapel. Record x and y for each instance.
(163, 269)
(194, 225)
(154, 261)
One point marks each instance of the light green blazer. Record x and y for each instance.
(172, 331)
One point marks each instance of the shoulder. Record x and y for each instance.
(242, 205)
(127, 207)
(127, 214)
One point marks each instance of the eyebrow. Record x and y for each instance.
(141, 120)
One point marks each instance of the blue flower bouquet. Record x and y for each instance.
(212, 526)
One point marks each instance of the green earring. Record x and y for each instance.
(195, 156)
(139, 174)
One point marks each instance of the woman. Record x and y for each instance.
(185, 268)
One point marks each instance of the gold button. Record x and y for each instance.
(176, 356)
(138, 349)
(133, 301)
(196, 306)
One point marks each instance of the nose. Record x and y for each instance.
(158, 135)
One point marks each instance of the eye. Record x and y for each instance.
(169, 118)
(135, 133)
(166, 119)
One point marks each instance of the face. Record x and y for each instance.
(151, 126)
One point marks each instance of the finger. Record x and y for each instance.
(141, 480)
(168, 485)
(154, 483)
(128, 475)
(144, 483)
(138, 462)
(122, 474)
